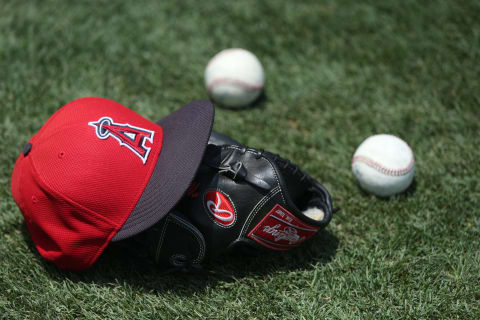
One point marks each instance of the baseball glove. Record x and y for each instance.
(240, 196)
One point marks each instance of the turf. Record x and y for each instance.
(337, 72)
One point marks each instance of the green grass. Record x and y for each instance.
(337, 72)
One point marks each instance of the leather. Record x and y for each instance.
(248, 183)
(175, 241)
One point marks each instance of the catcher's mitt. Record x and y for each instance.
(240, 196)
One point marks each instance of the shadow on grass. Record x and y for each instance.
(120, 265)
(409, 192)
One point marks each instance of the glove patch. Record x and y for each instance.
(281, 230)
(220, 208)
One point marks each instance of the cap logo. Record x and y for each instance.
(134, 138)
(220, 208)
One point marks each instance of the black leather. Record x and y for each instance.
(176, 241)
(256, 187)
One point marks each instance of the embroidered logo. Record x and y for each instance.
(281, 230)
(220, 207)
(288, 234)
(134, 138)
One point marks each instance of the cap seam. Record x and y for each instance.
(55, 115)
(74, 203)
(100, 249)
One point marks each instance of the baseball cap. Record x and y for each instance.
(98, 172)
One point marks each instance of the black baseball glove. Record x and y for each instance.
(240, 196)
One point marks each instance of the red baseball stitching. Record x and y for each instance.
(240, 83)
(390, 172)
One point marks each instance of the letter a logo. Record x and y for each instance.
(134, 138)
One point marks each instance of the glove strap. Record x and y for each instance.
(228, 165)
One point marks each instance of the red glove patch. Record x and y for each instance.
(281, 230)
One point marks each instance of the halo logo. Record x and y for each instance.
(220, 207)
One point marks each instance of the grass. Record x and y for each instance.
(337, 72)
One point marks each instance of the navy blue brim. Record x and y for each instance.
(185, 136)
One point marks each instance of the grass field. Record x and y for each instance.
(337, 72)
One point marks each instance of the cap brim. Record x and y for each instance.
(185, 136)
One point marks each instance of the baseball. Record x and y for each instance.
(384, 165)
(315, 214)
(234, 77)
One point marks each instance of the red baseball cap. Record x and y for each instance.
(98, 172)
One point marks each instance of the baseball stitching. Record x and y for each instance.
(377, 166)
(240, 83)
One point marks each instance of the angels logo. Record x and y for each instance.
(220, 207)
(134, 138)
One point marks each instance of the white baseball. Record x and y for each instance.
(234, 77)
(384, 165)
(314, 213)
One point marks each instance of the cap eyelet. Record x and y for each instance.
(27, 149)
(61, 155)
(34, 199)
